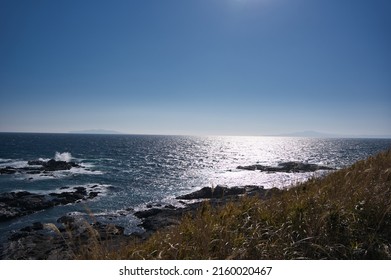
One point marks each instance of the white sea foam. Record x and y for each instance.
(101, 188)
(14, 164)
(63, 156)
(41, 176)
(87, 164)
(76, 170)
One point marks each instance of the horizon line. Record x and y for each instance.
(282, 135)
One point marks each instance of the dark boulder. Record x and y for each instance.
(217, 192)
(7, 170)
(35, 162)
(70, 197)
(17, 204)
(80, 190)
(49, 241)
(93, 194)
(34, 226)
(53, 165)
(147, 213)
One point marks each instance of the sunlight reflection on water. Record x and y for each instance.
(142, 169)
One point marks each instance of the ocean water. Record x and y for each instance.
(132, 171)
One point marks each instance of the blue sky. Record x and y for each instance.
(216, 67)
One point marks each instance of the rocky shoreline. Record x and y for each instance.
(49, 241)
(62, 240)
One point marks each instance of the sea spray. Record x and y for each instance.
(63, 156)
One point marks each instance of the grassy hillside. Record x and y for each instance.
(345, 215)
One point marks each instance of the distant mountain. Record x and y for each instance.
(95, 131)
(316, 134)
(310, 133)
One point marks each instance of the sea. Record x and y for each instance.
(133, 172)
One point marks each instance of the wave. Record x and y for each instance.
(66, 156)
(83, 170)
(14, 163)
(60, 174)
(103, 189)
(19, 163)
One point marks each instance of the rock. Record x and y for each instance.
(53, 165)
(147, 213)
(33, 172)
(40, 167)
(39, 241)
(163, 219)
(68, 221)
(17, 204)
(217, 192)
(7, 170)
(8, 213)
(35, 162)
(158, 218)
(289, 167)
(153, 219)
(93, 194)
(80, 190)
(66, 197)
(35, 226)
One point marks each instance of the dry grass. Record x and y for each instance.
(345, 215)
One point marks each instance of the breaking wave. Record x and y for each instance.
(63, 156)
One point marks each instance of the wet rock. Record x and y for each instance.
(66, 197)
(80, 190)
(34, 226)
(219, 192)
(288, 167)
(40, 167)
(147, 213)
(7, 170)
(93, 194)
(158, 218)
(17, 204)
(8, 213)
(53, 165)
(35, 162)
(33, 172)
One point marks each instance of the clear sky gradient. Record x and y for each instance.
(216, 67)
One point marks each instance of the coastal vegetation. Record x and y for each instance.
(343, 215)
